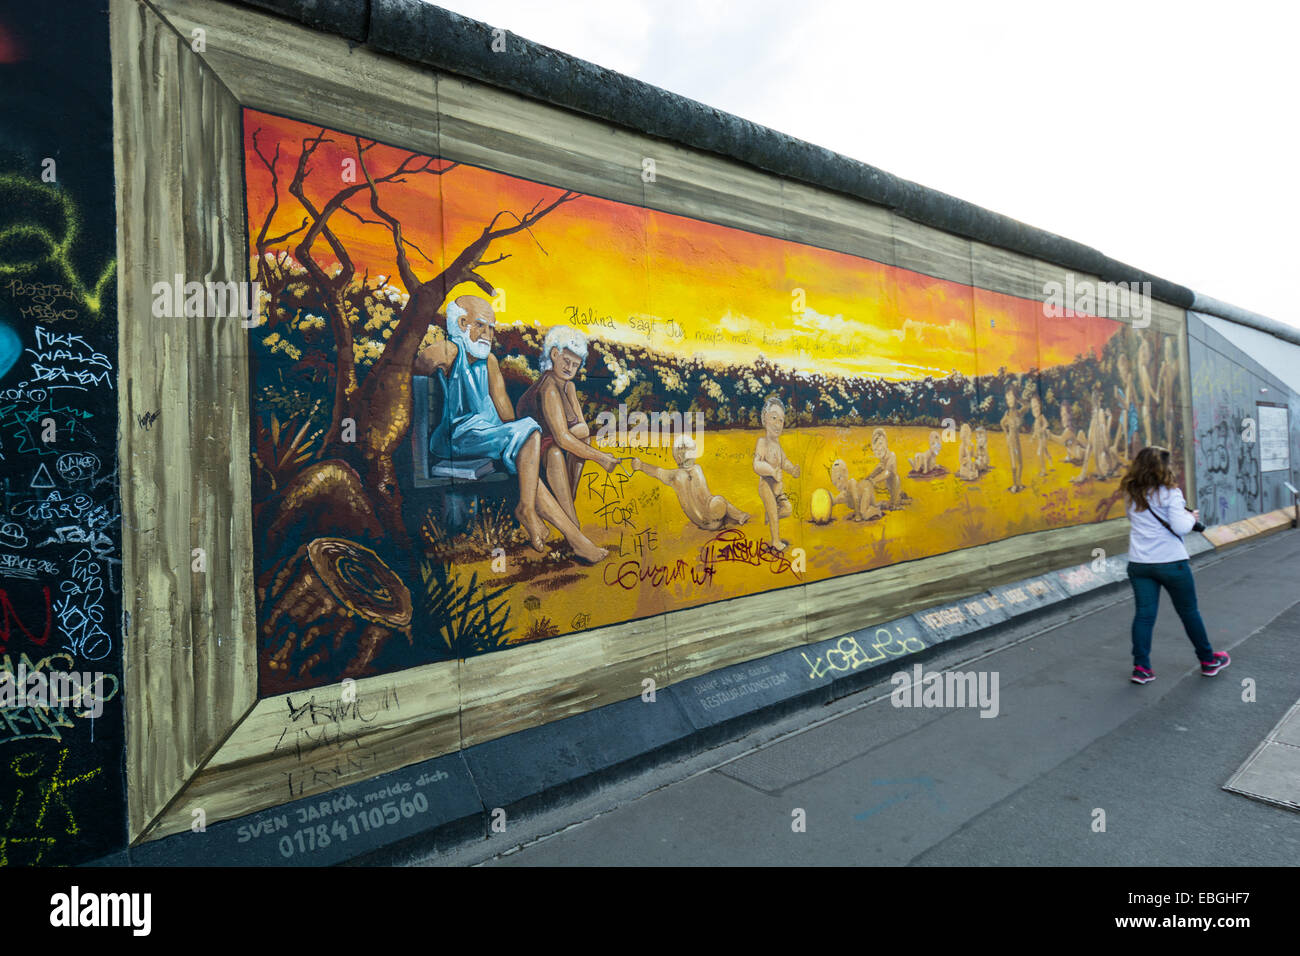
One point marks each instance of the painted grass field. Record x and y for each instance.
(659, 561)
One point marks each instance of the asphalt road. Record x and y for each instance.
(880, 784)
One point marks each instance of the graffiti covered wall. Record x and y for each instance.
(61, 727)
(1245, 433)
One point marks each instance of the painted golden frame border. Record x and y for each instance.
(197, 736)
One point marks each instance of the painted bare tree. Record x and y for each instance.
(272, 272)
(380, 406)
(335, 586)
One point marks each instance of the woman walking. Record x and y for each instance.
(1158, 518)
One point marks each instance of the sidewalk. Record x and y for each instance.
(887, 785)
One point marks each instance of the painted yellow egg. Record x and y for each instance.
(821, 506)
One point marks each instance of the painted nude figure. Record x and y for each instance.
(1167, 383)
(925, 462)
(1041, 434)
(1122, 448)
(967, 470)
(1096, 452)
(1074, 441)
(705, 510)
(858, 494)
(478, 421)
(982, 449)
(552, 401)
(1146, 390)
(887, 469)
(1012, 422)
(769, 462)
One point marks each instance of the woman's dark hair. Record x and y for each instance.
(1149, 471)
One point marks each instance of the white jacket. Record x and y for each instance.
(1150, 542)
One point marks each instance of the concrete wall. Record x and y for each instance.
(1278, 352)
(297, 620)
(1228, 387)
(62, 788)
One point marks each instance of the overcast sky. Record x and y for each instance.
(1162, 134)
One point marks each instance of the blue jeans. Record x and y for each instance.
(1176, 577)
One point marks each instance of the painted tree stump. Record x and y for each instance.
(332, 599)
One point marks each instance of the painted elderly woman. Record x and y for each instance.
(553, 401)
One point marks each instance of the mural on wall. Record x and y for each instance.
(62, 790)
(489, 411)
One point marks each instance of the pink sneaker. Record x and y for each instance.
(1221, 660)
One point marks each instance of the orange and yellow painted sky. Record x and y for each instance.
(679, 285)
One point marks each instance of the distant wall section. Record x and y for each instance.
(1246, 443)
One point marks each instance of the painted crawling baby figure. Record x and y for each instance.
(858, 494)
(705, 510)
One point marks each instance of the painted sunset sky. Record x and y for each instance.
(694, 279)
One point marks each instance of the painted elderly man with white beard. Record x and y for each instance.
(478, 421)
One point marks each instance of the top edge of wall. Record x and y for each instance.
(1253, 320)
(346, 18)
(432, 36)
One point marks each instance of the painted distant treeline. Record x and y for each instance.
(295, 368)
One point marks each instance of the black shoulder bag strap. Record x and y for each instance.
(1151, 508)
